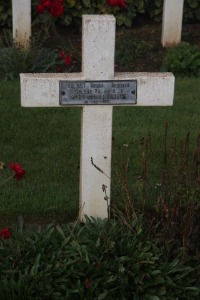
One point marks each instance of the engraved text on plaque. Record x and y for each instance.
(98, 92)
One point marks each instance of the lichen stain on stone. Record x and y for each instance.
(142, 81)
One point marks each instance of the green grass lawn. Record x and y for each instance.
(45, 141)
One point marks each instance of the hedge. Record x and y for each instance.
(74, 9)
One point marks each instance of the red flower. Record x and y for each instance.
(46, 4)
(62, 54)
(56, 8)
(88, 284)
(122, 4)
(40, 9)
(19, 172)
(113, 2)
(5, 233)
(68, 59)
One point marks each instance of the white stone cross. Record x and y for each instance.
(42, 90)
(172, 22)
(21, 20)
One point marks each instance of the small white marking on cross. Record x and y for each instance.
(21, 20)
(42, 90)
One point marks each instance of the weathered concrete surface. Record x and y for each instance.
(42, 90)
(172, 22)
(21, 20)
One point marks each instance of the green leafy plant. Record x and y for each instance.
(5, 13)
(46, 15)
(128, 49)
(126, 14)
(155, 9)
(100, 259)
(36, 58)
(191, 11)
(74, 9)
(183, 60)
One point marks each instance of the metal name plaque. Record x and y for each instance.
(117, 92)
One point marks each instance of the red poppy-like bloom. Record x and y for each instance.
(19, 172)
(68, 59)
(120, 3)
(5, 233)
(88, 284)
(56, 8)
(59, 1)
(40, 9)
(46, 3)
(62, 54)
(113, 2)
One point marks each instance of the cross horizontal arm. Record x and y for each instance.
(153, 89)
(42, 89)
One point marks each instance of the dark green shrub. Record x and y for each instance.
(128, 49)
(36, 58)
(5, 13)
(96, 260)
(133, 9)
(74, 9)
(183, 60)
(155, 9)
(191, 10)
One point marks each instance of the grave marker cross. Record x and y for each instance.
(42, 90)
(21, 21)
(172, 22)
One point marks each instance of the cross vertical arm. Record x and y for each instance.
(97, 64)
